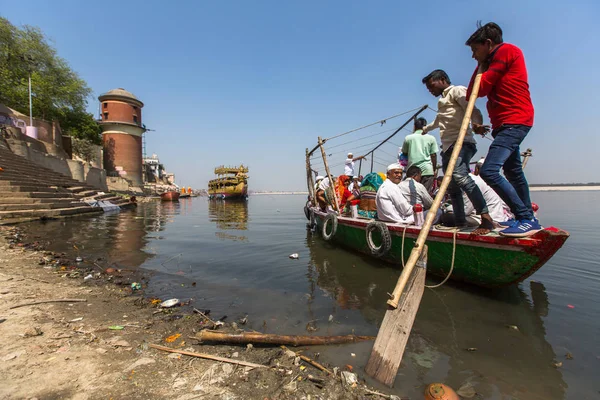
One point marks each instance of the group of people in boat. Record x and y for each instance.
(484, 197)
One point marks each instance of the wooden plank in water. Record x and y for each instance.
(396, 326)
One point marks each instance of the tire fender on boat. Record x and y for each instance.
(386, 239)
(334, 224)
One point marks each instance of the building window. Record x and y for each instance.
(105, 105)
(135, 121)
(135, 108)
(105, 115)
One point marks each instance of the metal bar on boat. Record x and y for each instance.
(397, 130)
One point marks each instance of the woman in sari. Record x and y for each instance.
(368, 191)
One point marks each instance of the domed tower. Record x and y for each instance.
(122, 130)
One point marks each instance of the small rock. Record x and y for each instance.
(174, 356)
(466, 391)
(102, 351)
(297, 361)
(121, 343)
(249, 346)
(13, 355)
(289, 353)
(33, 331)
(235, 355)
(198, 388)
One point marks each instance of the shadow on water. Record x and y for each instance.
(502, 361)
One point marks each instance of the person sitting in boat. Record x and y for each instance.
(364, 196)
(349, 164)
(451, 111)
(422, 152)
(499, 210)
(391, 204)
(413, 190)
(343, 193)
(325, 194)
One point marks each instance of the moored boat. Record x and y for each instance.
(171, 195)
(483, 260)
(231, 183)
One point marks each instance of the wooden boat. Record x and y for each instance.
(487, 260)
(231, 183)
(171, 195)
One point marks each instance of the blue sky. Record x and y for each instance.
(257, 82)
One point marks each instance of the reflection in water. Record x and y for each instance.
(117, 239)
(229, 215)
(510, 362)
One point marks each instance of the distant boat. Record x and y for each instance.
(231, 183)
(171, 195)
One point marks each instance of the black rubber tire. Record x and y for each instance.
(386, 238)
(334, 222)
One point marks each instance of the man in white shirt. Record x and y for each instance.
(499, 210)
(391, 204)
(413, 190)
(349, 164)
(451, 111)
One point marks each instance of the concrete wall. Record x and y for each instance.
(117, 184)
(35, 151)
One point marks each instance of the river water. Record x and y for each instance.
(232, 258)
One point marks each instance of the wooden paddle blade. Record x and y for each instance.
(395, 329)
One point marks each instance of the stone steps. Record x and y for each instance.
(29, 192)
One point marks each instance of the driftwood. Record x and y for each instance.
(267, 338)
(50, 301)
(208, 356)
(311, 362)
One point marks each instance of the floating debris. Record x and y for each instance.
(472, 349)
(136, 286)
(557, 364)
(294, 256)
(513, 327)
(569, 356)
(78, 259)
(169, 303)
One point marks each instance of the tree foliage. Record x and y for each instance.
(58, 93)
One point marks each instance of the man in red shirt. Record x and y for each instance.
(504, 82)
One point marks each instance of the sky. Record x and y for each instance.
(258, 82)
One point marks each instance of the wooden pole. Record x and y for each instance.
(386, 355)
(526, 155)
(268, 338)
(335, 199)
(309, 179)
(359, 166)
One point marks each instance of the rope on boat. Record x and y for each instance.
(381, 121)
(451, 265)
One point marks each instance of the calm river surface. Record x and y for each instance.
(237, 254)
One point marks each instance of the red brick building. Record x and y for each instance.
(122, 130)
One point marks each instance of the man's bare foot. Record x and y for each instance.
(486, 226)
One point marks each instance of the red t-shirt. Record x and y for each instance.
(506, 87)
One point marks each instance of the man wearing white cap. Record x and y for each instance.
(349, 164)
(391, 204)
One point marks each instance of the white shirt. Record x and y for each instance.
(451, 111)
(391, 204)
(497, 208)
(324, 184)
(349, 167)
(415, 193)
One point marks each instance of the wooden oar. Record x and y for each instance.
(403, 305)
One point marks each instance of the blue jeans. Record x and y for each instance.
(504, 153)
(462, 181)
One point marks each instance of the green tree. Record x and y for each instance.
(58, 93)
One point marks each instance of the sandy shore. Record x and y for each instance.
(99, 347)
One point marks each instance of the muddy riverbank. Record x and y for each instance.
(99, 347)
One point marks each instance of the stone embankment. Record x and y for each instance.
(29, 191)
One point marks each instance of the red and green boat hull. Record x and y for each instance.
(489, 260)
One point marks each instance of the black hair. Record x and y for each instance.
(413, 171)
(489, 31)
(420, 123)
(437, 75)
